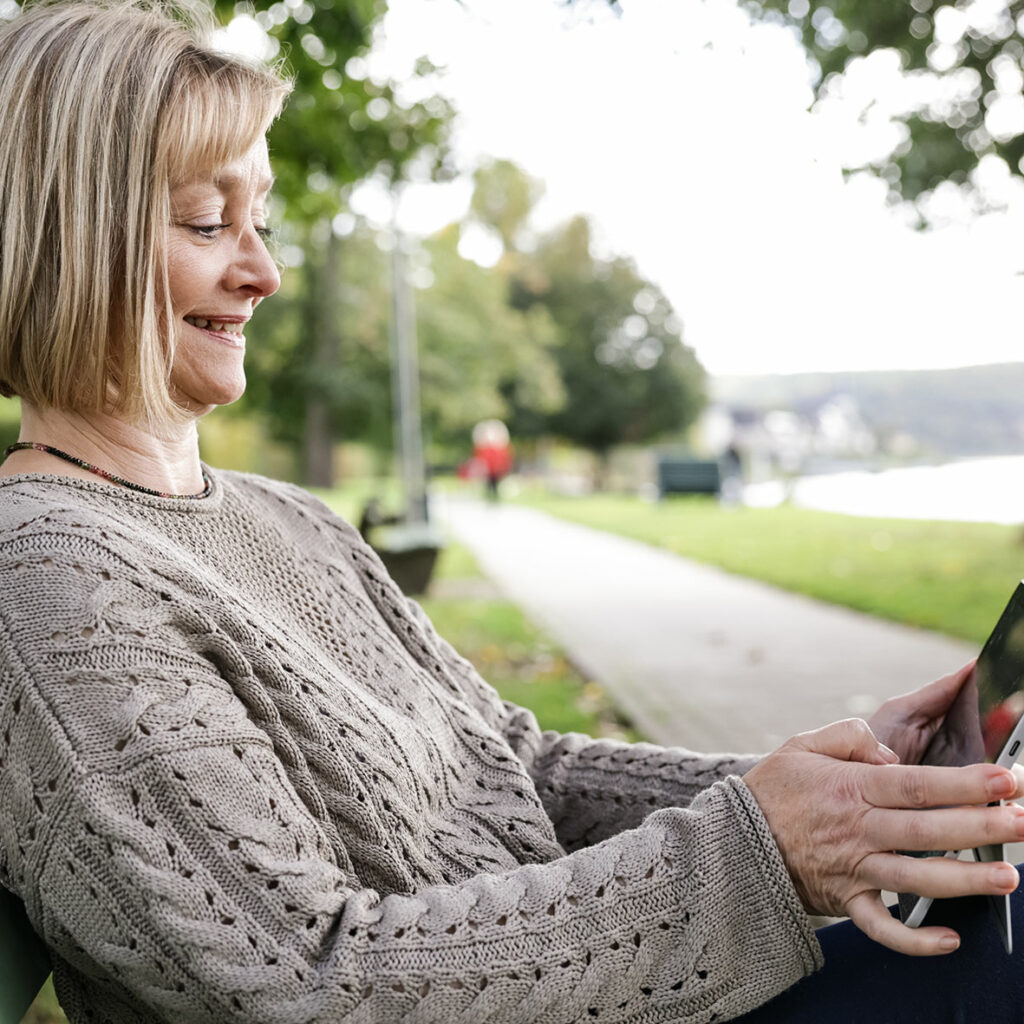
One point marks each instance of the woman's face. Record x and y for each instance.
(218, 270)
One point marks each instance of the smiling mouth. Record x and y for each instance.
(216, 326)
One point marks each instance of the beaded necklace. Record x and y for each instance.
(50, 450)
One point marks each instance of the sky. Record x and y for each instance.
(685, 133)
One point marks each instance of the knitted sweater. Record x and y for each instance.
(243, 780)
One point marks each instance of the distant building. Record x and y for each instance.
(786, 439)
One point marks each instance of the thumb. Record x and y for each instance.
(936, 698)
(848, 740)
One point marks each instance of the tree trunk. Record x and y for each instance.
(325, 323)
(602, 469)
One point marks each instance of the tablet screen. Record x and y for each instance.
(985, 712)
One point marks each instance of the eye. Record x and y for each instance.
(207, 230)
(267, 234)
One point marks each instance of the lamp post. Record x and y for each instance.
(409, 550)
(405, 386)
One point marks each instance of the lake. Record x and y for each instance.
(989, 490)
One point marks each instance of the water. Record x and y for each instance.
(985, 490)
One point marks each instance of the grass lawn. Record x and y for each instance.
(951, 577)
(46, 1009)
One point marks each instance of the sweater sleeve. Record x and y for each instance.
(171, 865)
(591, 788)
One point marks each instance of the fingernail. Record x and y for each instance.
(1004, 877)
(889, 755)
(949, 943)
(1018, 822)
(1001, 785)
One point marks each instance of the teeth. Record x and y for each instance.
(215, 325)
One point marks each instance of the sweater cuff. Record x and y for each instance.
(779, 891)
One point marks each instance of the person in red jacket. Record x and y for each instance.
(492, 452)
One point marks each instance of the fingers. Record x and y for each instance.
(937, 877)
(848, 740)
(952, 828)
(935, 698)
(870, 915)
(929, 786)
(1018, 774)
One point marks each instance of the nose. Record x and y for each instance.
(254, 270)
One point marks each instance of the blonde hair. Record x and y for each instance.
(105, 105)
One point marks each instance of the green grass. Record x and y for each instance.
(951, 577)
(512, 654)
(349, 501)
(45, 1009)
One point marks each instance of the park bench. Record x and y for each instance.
(688, 476)
(408, 550)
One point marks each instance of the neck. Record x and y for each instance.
(169, 464)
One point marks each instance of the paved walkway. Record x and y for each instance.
(694, 655)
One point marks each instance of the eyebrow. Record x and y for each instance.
(229, 181)
(224, 183)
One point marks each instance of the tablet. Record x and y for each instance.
(984, 723)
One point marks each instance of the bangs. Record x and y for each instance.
(217, 110)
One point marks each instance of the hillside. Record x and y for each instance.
(973, 410)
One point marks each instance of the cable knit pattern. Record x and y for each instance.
(243, 780)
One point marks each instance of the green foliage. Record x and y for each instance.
(552, 340)
(627, 375)
(345, 302)
(473, 343)
(45, 1009)
(950, 132)
(340, 125)
(503, 198)
(10, 417)
(951, 577)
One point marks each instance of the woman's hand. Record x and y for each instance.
(906, 724)
(838, 806)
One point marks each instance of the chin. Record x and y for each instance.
(201, 397)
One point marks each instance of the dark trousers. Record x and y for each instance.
(864, 983)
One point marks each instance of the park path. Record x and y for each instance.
(694, 655)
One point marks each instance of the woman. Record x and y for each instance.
(241, 779)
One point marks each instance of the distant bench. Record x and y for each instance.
(688, 476)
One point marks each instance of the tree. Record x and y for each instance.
(477, 352)
(282, 370)
(504, 195)
(965, 59)
(627, 374)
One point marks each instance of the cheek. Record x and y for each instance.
(186, 277)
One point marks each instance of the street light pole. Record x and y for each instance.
(405, 385)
